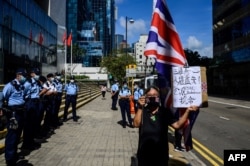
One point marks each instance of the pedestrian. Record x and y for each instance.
(178, 133)
(71, 90)
(49, 95)
(114, 95)
(124, 95)
(153, 120)
(58, 99)
(103, 90)
(138, 92)
(31, 95)
(13, 97)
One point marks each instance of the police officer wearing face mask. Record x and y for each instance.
(13, 95)
(71, 90)
(50, 97)
(124, 104)
(58, 98)
(31, 94)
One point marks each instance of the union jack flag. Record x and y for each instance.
(165, 46)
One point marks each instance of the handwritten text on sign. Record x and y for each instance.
(186, 86)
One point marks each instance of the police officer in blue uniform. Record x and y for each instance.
(138, 92)
(58, 99)
(114, 95)
(71, 90)
(31, 94)
(124, 95)
(49, 96)
(13, 94)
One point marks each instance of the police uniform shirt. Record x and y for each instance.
(71, 89)
(124, 92)
(31, 89)
(49, 86)
(58, 85)
(138, 93)
(114, 88)
(13, 93)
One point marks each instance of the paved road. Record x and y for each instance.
(97, 139)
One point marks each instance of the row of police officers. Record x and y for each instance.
(31, 105)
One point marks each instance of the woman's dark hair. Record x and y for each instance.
(152, 87)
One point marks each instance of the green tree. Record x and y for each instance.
(116, 65)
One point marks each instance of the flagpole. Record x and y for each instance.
(71, 55)
(65, 58)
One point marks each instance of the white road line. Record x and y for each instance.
(242, 106)
(222, 117)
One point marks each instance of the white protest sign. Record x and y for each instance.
(186, 86)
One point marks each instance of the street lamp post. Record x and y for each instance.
(131, 21)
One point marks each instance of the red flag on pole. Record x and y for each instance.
(40, 40)
(69, 40)
(64, 38)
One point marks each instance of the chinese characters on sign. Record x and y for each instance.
(187, 86)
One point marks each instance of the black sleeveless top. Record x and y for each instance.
(153, 138)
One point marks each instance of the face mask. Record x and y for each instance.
(136, 87)
(52, 79)
(125, 86)
(152, 103)
(58, 77)
(72, 81)
(22, 79)
(36, 77)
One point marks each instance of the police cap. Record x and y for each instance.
(50, 75)
(35, 70)
(57, 74)
(21, 71)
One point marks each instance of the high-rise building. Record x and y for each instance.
(231, 47)
(92, 25)
(28, 37)
(143, 66)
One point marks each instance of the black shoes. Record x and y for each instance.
(115, 109)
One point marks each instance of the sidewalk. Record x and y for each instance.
(97, 139)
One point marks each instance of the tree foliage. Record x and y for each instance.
(116, 65)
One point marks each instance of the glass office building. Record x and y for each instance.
(28, 37)
(92, 25)
(231, 47)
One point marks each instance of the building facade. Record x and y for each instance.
(28, 37)
(231, 47)
(144, 67)
(93, 27)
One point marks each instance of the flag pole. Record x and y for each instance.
(65, 57)
(71, 55)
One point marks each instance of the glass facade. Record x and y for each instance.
(231, 47)
(28, 37)
(91, 23)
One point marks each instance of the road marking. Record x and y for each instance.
(222, 117)
(208, 151)
(242, 106)
(205, 152)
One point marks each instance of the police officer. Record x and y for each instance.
(71, 90)
(58, 99)
(124, 104)
(50, 98)
(31, 94)
(114, 95)
(13, 94)
(138, 92)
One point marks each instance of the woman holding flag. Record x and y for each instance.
(153, 120)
